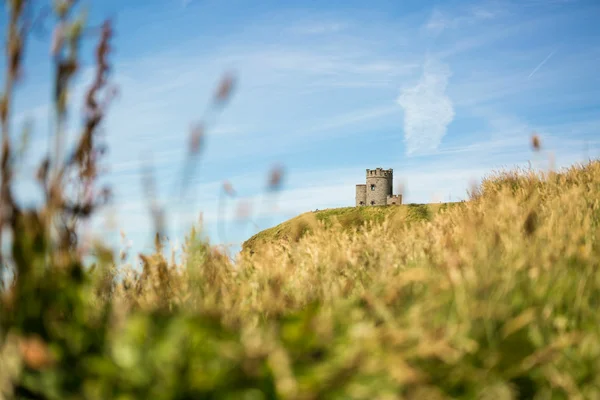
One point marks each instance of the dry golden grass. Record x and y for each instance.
(493, 297)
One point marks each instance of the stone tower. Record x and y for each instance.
(379, 186)
(361, 195)
(379, 189)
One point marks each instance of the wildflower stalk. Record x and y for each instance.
(15, 45)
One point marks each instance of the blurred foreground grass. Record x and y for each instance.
(495, 298)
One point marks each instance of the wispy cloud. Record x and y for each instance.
(319, 27)
(427, 109)
(440, 21)
(352, 118)
(542, 63)
(548, 2)
(436, 23)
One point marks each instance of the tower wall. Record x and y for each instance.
(361, 195)
(394, 200)
(382, 181)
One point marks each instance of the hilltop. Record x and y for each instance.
(345, 219)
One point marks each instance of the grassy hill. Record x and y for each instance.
(346, 219)
(495, 298)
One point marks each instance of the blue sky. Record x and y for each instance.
(442, 92)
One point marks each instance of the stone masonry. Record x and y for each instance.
(378, 189)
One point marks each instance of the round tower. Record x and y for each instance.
(379, 186)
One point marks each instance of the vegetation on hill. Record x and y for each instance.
(496, 298)
(346, 219)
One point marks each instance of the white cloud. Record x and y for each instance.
(427, 109)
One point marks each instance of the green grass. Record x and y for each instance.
(344, 219)
(494, 298)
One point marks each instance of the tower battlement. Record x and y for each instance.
(380, 172)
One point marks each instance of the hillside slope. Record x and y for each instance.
(348, 218)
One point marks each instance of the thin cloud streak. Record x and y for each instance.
(541, 64)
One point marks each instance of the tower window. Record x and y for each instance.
(372, 188)
(362, 203)
(372, 202)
